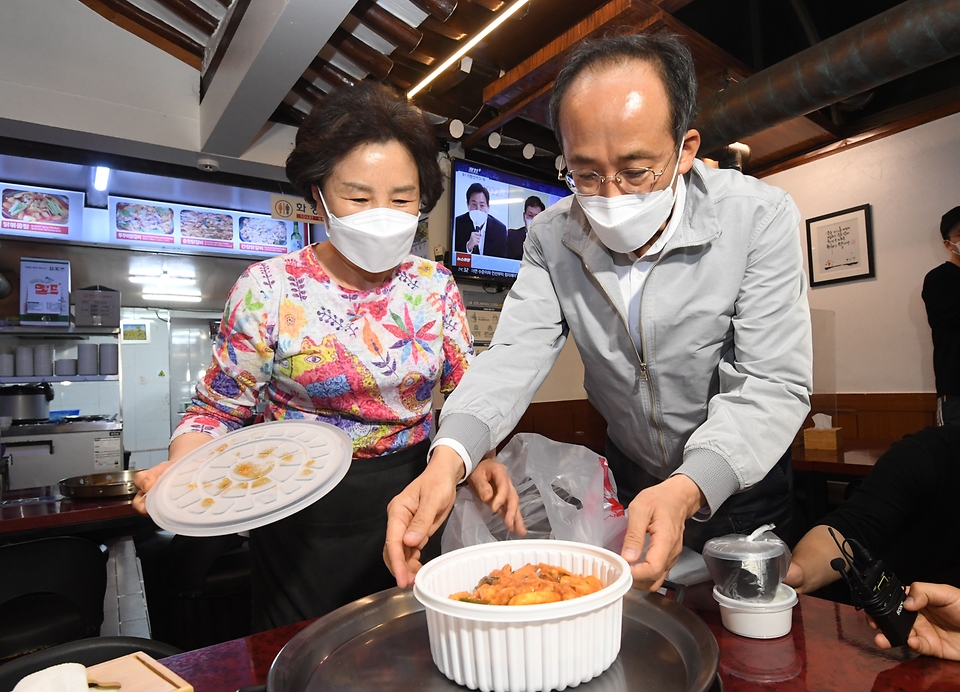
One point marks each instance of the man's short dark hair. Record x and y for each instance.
(368, 113)
(533, 201)
(949, 222)
(477, 188)
(666, 52)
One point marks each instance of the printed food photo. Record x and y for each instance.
(144, 218)
(206, 224)
(26, 205)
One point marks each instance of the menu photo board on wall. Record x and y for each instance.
(39, 212)
(164, 225)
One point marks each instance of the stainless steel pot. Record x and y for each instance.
(24, 402)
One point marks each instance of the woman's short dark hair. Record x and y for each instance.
(668, 54)
(367, 113)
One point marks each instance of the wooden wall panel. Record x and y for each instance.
(882, 417)
(877, 416)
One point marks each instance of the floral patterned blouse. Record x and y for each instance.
(365, 361)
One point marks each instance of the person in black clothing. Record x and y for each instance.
(476, 231)
(941, 295)
(532, 206)
(904, 513)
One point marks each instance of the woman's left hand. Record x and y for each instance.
(491, 482)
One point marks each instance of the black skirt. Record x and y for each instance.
(331, 553)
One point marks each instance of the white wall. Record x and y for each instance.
(910, 179)
(71, 77)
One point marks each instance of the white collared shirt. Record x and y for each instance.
(633, 270)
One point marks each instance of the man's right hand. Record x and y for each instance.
(937, 629)
(474, 242)
(418, 511)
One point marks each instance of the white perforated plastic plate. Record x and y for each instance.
(251, 477)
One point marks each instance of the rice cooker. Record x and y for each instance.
(26, 402)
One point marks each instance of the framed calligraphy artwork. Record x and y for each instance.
(840, 246)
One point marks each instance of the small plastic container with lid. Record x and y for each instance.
(748, 571)
(748, 568)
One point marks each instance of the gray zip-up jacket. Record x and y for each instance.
(723, 379)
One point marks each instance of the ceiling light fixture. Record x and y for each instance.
(163, 278)
(501, 18)
(171, 297)
(101, 178)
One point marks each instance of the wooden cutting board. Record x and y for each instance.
(138, 673)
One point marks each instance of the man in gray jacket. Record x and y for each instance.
(684, 290)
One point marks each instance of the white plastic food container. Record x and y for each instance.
(757, 619)
(549, 646)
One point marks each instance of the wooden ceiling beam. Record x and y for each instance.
(307, 90)
(150, 29)
(451, 77)
(441, 9)
(492, 5)
(288, 115)
(541, 67)
(394, 30)
(444, 109)
(192, 14)
(366, 58)
(449, 29)
(476, 137)
(331, 74)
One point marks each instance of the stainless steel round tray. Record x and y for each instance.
(111, 484)
(380, 643)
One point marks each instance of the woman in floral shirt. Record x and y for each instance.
(354, 332)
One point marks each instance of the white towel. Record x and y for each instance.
(66, 677)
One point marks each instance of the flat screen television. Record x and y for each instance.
(488, 221)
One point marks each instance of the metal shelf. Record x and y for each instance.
(71, 332)
(60, 378)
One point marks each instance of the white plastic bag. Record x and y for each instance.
(566, 492)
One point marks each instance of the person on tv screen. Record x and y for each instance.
(532, 206)
(476, 231)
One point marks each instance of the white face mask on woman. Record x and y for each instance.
(627, 222)
(373, 239)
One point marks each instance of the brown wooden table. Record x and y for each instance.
(814, 468)
(37, 512)
(830, 647)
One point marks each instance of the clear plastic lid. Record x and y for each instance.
(740, 547)
(249, 478)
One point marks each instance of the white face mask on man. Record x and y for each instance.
(373, 239)
(627, 222)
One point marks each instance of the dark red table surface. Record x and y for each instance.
(829, 648)
(43, 508)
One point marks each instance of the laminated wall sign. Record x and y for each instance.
(44, 292)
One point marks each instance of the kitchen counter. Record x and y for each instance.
(829, 648)
(36, 512)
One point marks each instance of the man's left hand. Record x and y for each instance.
(661, 511)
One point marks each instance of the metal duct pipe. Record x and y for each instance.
(904, 39)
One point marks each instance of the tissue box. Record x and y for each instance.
(826, 438)
(97, 306)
